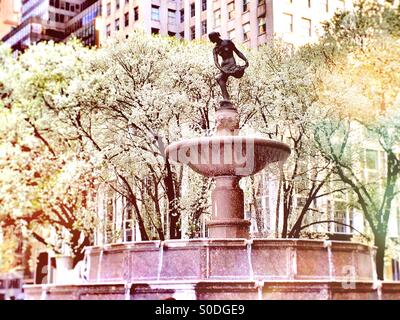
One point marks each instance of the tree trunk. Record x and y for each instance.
(295, 232)
(286, 211)
(79, 252)
(380, 243)
(132, 200)
(139, 218)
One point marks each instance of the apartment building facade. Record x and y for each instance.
(251, 22)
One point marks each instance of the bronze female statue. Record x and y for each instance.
(228, 67)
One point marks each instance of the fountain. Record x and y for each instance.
(227, 264)
(227, 157)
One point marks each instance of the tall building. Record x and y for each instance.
(252, 22)
(9, 15)
(53, 20)
(41, 20)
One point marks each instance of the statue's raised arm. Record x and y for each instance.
(228, 67)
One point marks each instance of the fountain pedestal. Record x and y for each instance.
(228, 210)
(227, 198)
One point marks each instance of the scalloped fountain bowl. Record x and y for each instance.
(227, 155)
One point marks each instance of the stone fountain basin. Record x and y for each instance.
(239, 269)
(230, 260)
(227, 155)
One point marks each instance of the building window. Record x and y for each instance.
(171, 34)
(231, 10)
(262, 25)
(203, 5)
(193, 33)
(129, 230)
(126, 19)
(192, 10)
(288, 22)
(155, 13)
(351, 221)
(108, 30)
(155, 31)
(340, 217)
(182, 34)
(217, 18)
(246, 31)
(182, 15)
(246, 5)
(116, 24)
(108, 9)
(231, 34)
(117, 5)
(204, 27)
(171, 17)
(306, 27)
(372, 159)
(136, 13)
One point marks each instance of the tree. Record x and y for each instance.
(46, 185)
(283, 97)
(362, 99)
(349, 30)
(136, 97)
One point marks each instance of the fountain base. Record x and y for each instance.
(217, 290)
(226, 269)
(229, 228)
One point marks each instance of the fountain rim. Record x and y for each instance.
(218, 241)
(227, 139)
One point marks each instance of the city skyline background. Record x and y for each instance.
(251, 22)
